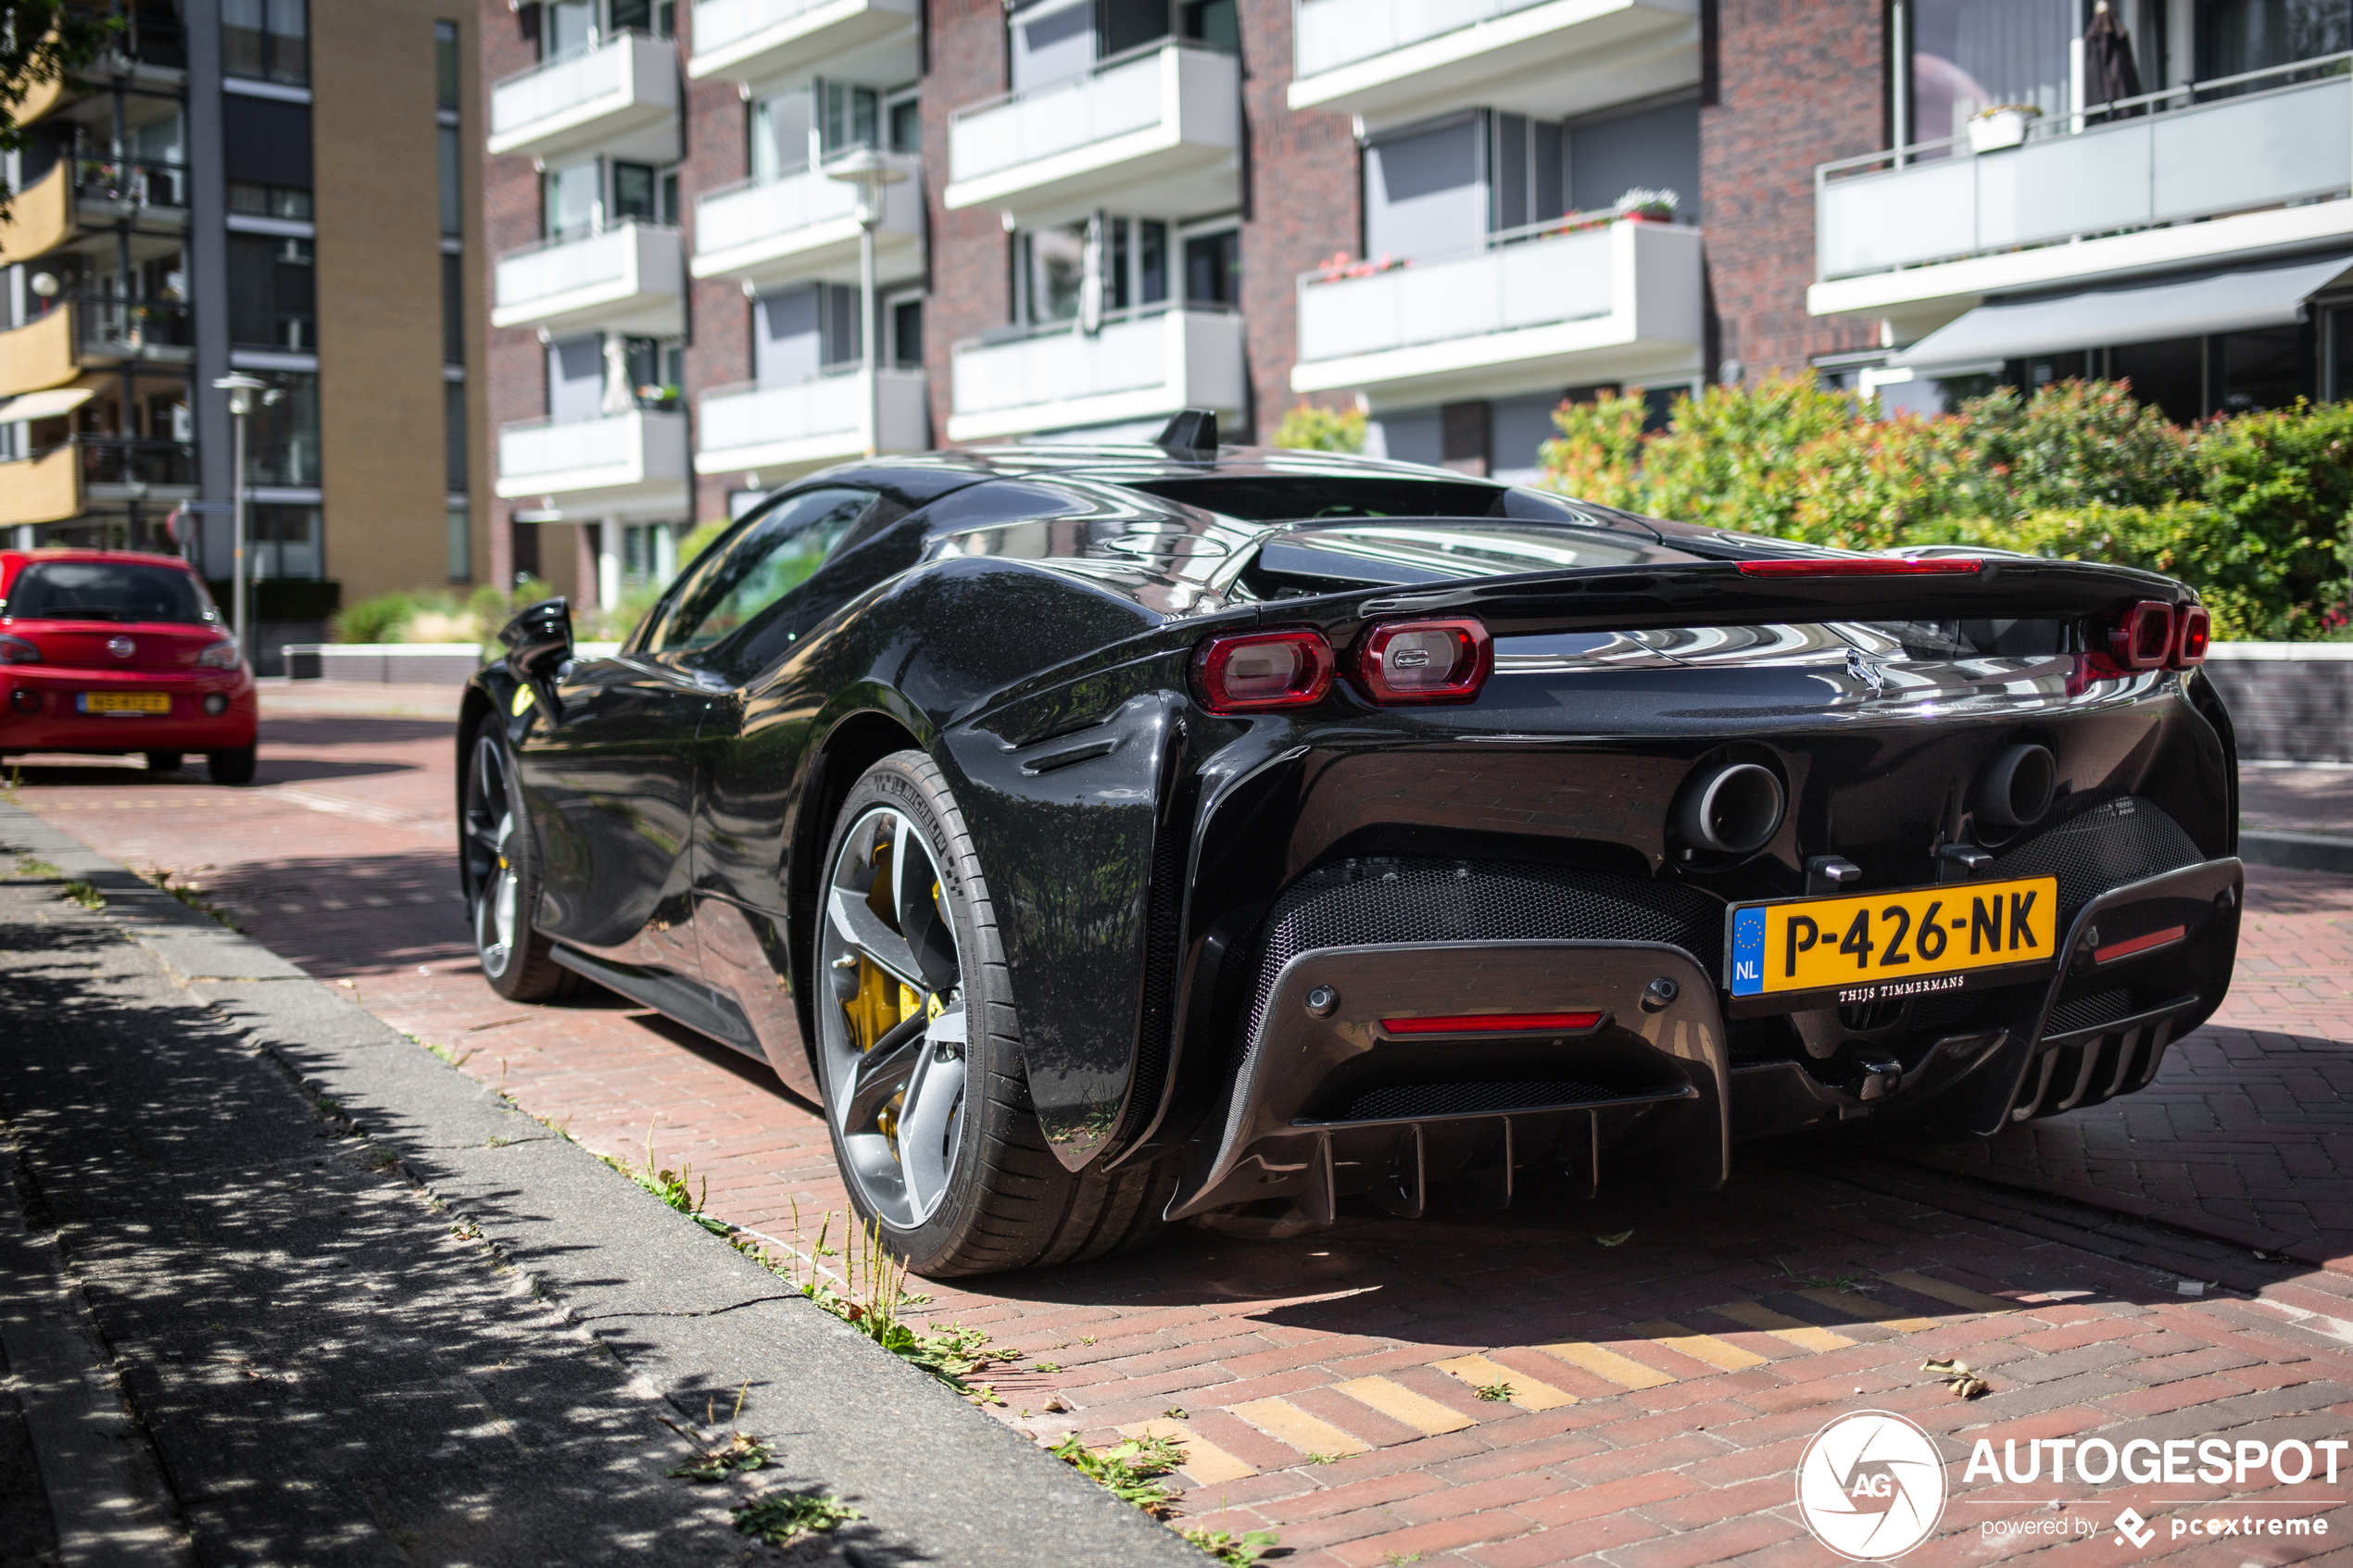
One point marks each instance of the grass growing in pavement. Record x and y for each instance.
(1128, 1471)
(39, 870)
(188, 894)
(1235, 1551)
(781, 1518)
(81, 892)
(1494, 1392)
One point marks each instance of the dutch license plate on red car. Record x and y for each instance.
(124, 705)
(1888, 946)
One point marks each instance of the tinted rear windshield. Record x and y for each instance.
(91, 590)
(1333, 557)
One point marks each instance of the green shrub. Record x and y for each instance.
(381, 618)
(1311, 428)
(701, 538)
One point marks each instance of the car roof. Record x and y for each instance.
(135, 558)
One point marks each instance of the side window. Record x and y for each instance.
(776, 553)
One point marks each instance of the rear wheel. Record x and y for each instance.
(919, 1045)
(231, 767)
(164, 761)
(501, 864)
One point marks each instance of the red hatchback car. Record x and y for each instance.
(118, 653)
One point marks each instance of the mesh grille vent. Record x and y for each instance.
(1399, 1101)
(2115, 843)
(2089, 1012)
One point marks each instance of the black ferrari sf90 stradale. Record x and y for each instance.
(1108, 834)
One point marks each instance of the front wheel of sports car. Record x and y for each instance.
(501, 869)
(919, 1044)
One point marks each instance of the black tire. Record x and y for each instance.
(1004, 1201)
(164, 761)
(231, 767)
(498, 862)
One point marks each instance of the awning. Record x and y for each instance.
(45, 404)
(2231, 302)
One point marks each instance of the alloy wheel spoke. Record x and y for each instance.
(881, 1072)
(934, 1097)
(857, 926)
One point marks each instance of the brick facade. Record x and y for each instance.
(718, 314)
(515, 366)
(970, 283)
(1799, 84)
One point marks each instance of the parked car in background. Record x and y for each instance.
(1111, 834)
(120, 653)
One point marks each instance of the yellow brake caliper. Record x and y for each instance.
(883, 1003)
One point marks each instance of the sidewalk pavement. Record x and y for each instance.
(2296, 814)
(278, 1287)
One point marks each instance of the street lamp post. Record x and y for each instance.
(870, 170)
(240, 388)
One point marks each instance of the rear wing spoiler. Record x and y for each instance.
(1784, 591)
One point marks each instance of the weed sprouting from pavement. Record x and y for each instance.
(782, 1518)
(1233, 1550)
(43, 870)
(741, 1453)
(1495, 1393)
(1046, 1366)
(675, 1188)
(1323, 1459)
(83, 894)
(188, 893)
(1128, 1471)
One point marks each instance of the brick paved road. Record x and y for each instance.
(1327, 1384)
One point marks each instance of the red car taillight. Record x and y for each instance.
(2197, 630)
(1860, 566)
(1255, 671)
(2143, 639)
(1425, 661)
(19, 650)
(1494, 1023)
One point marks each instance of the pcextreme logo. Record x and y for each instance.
(1870, 1486)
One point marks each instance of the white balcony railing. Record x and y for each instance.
(629, 277)
(804, 224)
(772, 430)
(638, 456)
(1155, 129)
(2165, 158)
(1544, 305)
(1135, 368)
(1383, 56)
(619, 87)
(757, 40)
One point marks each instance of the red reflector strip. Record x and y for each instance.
(2126, 948)
(1492, 1023)
(1868, 565)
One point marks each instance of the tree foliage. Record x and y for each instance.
(43, 42)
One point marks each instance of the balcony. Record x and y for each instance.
(629, 278)
(87, 332)
(1532, 309)
(804, 225)
(1395, 61)
(618, 94)
(43, 489)
(762, 41)
(115, 468)
(1140, 367)
(781, 431)
(2219, 171)
(1152, 133)
(85, 195)
(632, 463)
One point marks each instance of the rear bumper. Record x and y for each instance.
(57, 724)
(1327, 1102)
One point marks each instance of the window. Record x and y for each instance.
(850, 116)
(459, 524)
(284, 541)
(571, 203)
(566, 26)
(657, 369)
(453, 180)
(636, 194)
(453, 308)
(657, 17)
(446, 75)
(1970, 53)
(1426, 191)
(780, 135)
(270, 201)
(267, 40)
(282, 436)
(2243, 35)
(453, 427)
(1054, 266)
(906, 125)
(1211, 21)
(767, 560)
(1051, 41)
(273, 293)
(1214, 268)
(108, 591)
(906, 316)
(799, 334)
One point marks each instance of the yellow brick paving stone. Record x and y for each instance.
(1285, 1422)
(1870, 1308)
(1621, 1370)
(1955, 1294)
(1527, 1393)
(1204, 1460)
(1781, 1326)
(1720, 1354)
(1401, 1403)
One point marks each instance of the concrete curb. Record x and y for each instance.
(2296, 851)
(940, 1481)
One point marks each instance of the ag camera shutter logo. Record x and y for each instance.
(1870, 1486)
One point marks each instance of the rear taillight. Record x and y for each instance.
(1494, 1023)
(1255, 671)
(2195, 630)
(2144, 638)
(1425, 661)
(219, 656)
(17, 650)
(1861, 566)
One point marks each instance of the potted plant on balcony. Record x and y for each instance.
(1641, 205)
(2000, 125)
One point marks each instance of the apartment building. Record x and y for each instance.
(1083, 215)
(280, 188)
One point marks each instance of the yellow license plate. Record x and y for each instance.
(126, 702)
(1886, 947)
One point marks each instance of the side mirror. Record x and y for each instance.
(538, 641)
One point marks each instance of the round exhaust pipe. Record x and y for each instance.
(2016, 788)
(1733, 808)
